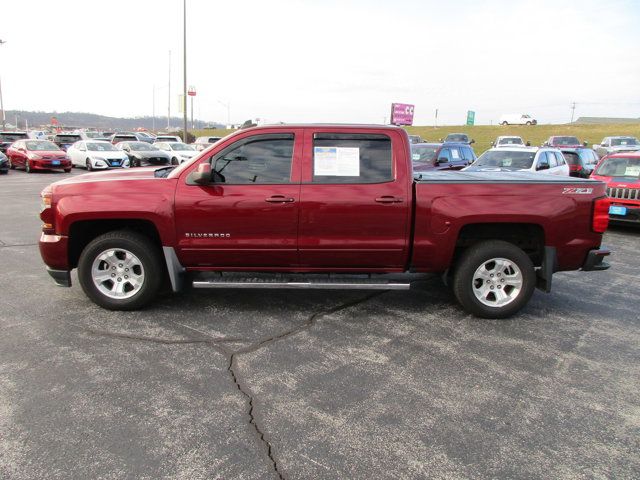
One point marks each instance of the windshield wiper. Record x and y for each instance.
(163, 172)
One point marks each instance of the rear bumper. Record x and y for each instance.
(595, 260)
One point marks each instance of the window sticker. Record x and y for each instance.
(336, 161)
(632, 171)
(415, 156)
(455, 153)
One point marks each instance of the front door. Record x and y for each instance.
(355, 201)
(247, 218)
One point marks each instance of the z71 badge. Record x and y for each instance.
(577, 191)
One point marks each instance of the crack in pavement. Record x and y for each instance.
(231, 356)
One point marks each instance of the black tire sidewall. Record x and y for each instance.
(141, 247)
(473, 258)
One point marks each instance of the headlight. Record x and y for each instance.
(125, 161)
(99, 159)
(100, 162)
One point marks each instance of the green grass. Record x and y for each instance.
(485, 134)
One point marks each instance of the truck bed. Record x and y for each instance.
(458, 176)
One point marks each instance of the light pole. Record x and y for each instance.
(4, 122)
(228, 107)
(184, 86)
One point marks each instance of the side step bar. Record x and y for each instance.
(355, 284)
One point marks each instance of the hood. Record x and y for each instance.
(151, 154)
(109, 155)
(618, 182)
(143, 173)
(49, 154)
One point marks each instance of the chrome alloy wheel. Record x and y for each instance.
(117, 273)
(497, 282)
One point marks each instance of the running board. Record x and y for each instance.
(356, 284)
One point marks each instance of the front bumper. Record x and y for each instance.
(61, 277)
(595, 260)
(632, 216)
(47, 165)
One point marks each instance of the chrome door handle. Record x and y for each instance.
(279, 199)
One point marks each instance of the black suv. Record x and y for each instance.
(7, 138)
(441, 156)
(582, 161)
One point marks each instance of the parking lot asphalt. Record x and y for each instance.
(322, 384)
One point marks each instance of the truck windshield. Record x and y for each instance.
(566, 141)
(616, 142)
(12, 137)
(454, 137)
(620, 167)
(505, 160)
(510, 141)
(422, 154)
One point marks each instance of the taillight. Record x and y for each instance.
(46, 212)
(600, 214)
(575, 168)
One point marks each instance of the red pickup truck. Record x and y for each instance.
(319, 206)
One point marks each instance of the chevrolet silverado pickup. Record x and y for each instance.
(319, 206)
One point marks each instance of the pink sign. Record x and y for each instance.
(401, 114)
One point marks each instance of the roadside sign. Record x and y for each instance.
(402, 114)
(192, 91)
(471, 117)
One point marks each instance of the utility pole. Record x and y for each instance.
(228, 107)
(169, 96)
(4, 122)
(184, 89)
(573, 109)
(153, 120)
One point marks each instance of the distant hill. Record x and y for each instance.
(99, 122)
(607, 120)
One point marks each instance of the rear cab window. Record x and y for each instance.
(351, 158)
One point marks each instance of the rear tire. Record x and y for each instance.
(494, 279)
(102, 265)
(529, 124)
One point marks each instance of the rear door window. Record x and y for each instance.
(352, 158)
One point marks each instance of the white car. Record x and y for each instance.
(517, 119)
(548, 161)
(180, 152)
(97, 155)
(509, 141)
(167, 138)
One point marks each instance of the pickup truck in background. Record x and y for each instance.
(610, 145)
(319, 206)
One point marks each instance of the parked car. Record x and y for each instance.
(345, 202)
(621, 173)
(167, 138)
(509, 141)
(65, 140)
(87, 135)
(458, 138)
(517, 119)
(512, 159)
(97, 155)
(582, 161)
(415, 139)
(37, 134)
(7, 138)
(203, 143)
(38, 155)
(4, 163)
(146, 137)
(179, 152)
(611, 145)
(564, 142)
(441, 156)
(123, 137)
(143, 154)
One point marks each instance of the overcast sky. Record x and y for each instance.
(325, 61)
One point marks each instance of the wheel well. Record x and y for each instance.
(527, 236)
(82, 232)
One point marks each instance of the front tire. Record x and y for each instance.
(504, 123)
(529, 124)
(174, 161)
(494, 279)
(88, 165)
(27, 166)
(120, 270)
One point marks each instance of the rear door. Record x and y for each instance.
(355, 200)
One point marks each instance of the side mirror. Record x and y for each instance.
(442, 160)
(440, 140)
(472, 141)
(202, 175)
(543, 166)
(493, 144)
(528, 144)
(585, 143)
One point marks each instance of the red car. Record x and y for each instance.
(320, 206)
(38, 155)
(621, 172)
(564, 142)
